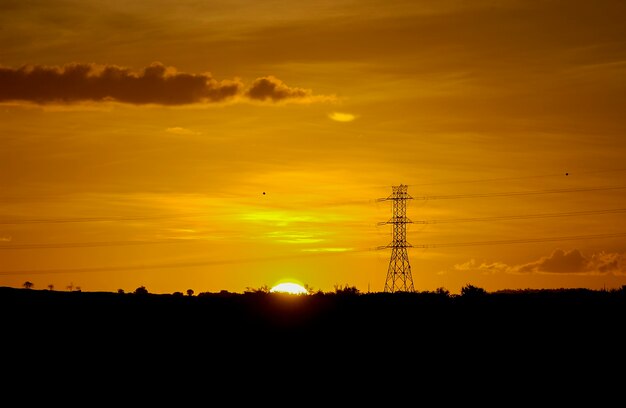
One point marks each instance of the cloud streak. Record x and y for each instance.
(156, 84)
(341, 117)
(181, 131)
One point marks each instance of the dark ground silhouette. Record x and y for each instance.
(366, 317)
(524, 341)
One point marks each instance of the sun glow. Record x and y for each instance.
(290, 288)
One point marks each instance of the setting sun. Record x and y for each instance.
(289, 287)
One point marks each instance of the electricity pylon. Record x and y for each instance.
(399, 278)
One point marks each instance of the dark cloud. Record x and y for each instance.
(271, 88)
(155, 84)
(609, 262)
(576, 262)
(558, 262)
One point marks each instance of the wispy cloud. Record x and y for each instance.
(155, 84)
(181, 131)
(483, 267)
(293, 237)
(342, 117)
(326, 249)
(278, 217)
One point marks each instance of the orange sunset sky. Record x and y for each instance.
(231, 144)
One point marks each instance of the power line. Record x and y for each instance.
(515, 178)
(190, 264)
(426, 222)
(518, 193)
(522, 240)
(65, 220)
(296, 256)
(91, 244)
(524, 216)
(158, 217)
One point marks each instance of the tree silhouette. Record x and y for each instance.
(50, 287)
(141, 291)
(346, 290)
(443, 292)
(189, 292)
(471, 290)
(120, 291)
(28, 284)
(262, 289)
